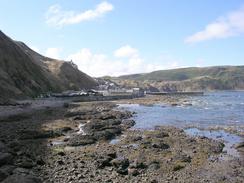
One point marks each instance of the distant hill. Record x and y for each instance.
(26, 73)
(187, 79)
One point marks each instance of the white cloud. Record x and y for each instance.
(126, 51)
(53, 53)
(100, 64)
(96, 64)
(227, 26)
(55, 16)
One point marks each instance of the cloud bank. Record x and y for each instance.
(230, 25)
(126, 60)
(57, 17)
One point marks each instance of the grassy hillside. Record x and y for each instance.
(187, 79)
(23, 72)
(224, 72)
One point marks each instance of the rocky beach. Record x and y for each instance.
(94, 142)
(112, 91)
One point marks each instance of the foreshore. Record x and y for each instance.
(94, 142)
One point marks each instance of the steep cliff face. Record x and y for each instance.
(23, 72)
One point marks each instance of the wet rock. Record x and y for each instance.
(128, 123)
(111, 154)
(136, 138)
(35, 134)
(217, 147)
(178, 167)
(3, 175)
(66, 105)
(5, 158)
(22, 171)
(239, 145)
(16, 178)
(98, 125)
(60, 162)
(122, 171)
(183, 158)
(106, 134)
(161, 134)
(75, 113)
(146, 143)
(103, 161)
(26, 163)
(120, 163)
(138, 163)
(133, 171)
(61, 153)
(124, 115)
(62, 130)
(15, 145)
(160, 145)
(7, 169)
(155, 165)
(105, 116)
(8, 102)
(79, 140)
(40, 161)
(3, 147)
(17, 117)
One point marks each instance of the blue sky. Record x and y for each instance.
(116, 37)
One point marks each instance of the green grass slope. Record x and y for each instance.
(187, 79)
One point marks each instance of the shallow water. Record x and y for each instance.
(213, 109)
(229, 139)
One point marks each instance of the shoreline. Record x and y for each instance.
(166, 154)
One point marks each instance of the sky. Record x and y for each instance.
(118, 37)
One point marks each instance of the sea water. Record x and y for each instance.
(213, 109)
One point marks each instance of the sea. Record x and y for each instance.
(208, 115)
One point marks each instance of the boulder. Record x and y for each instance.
(120, 163)
(106, 116)
(155, 165)
(138, 163)
(79, 140)
(103, 161)
(98, 125)
(5, 158)
(107, 134)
